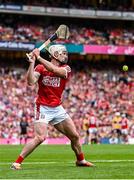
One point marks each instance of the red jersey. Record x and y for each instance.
(51, 86)
(124, 123)
(92, 122)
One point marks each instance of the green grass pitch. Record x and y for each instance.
(57, 162)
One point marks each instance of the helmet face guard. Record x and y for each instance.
(59, 52)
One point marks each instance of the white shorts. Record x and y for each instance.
(92, 130)
(50, 115)
(124, 131)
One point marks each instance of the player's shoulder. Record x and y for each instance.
(67, 67)
(40, 68)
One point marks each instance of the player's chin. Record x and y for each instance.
(65, 61)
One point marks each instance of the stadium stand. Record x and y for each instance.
(92, 4)
(35, 33)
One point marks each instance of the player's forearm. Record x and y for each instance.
(30, 74)
(48, 65)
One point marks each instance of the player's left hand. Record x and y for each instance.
(31, 57)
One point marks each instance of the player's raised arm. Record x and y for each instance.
(32, 76)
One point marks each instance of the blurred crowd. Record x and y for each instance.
(37, 33)
(94, 99)
(100, 100)
(120, 5)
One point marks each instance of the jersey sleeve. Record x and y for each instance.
(39, 68)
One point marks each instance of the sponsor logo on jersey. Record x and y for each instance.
(51, 81)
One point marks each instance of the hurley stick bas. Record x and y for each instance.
(61, 33)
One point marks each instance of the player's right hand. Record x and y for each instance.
(36, 52)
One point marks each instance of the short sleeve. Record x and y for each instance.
(39, 68)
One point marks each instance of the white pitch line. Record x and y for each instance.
(32, 162)
(115, 160)
(54, 162)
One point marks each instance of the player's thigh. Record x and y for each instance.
(40, 129)
(67, 128)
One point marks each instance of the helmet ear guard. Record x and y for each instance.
(55, 54)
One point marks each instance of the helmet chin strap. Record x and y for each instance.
(59, 60)
(62, 62)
